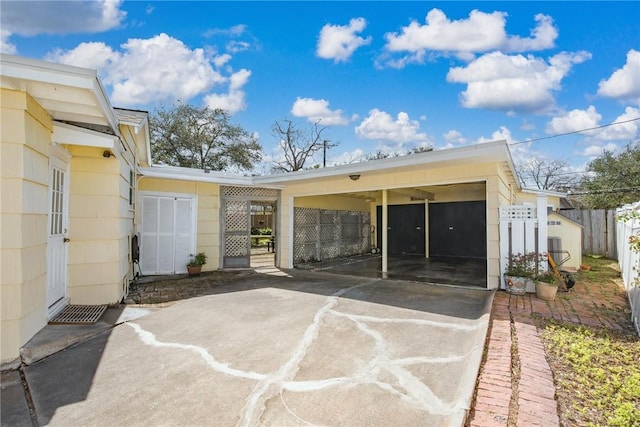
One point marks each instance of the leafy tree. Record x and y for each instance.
(298, 146)
(614, 178)
(201, 138)
(546, 174)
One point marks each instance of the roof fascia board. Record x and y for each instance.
(64, 133)
(67, 75)
(160, 172)
(497, 150)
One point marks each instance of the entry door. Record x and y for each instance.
(167, 237)
(405, 229)
(57, 247)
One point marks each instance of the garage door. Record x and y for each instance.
(458, 229)
(405, 229)
(167, 234)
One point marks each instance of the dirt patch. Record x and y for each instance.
(169, 289)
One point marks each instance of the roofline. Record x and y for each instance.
(198, 175)
(470, 151)
(547, 192)
(67, 75)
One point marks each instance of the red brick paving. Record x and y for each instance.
(602, 305)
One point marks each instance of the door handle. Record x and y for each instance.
(66, 240)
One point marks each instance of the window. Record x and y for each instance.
(132, 183)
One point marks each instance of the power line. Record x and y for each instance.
(574, 132)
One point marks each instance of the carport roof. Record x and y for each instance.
(497, 151)
(490, 151)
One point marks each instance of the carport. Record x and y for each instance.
(428, 238)
(427, 217)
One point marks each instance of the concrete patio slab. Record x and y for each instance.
(312, 348)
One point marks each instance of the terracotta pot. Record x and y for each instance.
(194, 270)
(516, 285)
(546, 291)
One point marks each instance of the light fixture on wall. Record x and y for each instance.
(354, 177)
(106, 154)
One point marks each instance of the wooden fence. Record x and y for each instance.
(599, 232)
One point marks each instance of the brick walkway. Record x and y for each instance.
(516, 368)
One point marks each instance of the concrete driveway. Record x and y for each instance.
(313, 349)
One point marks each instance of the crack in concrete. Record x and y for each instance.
(150, 339)
(421, 322)
(408, 388)
(255, 406)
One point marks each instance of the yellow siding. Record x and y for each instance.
(100, 227)
(570, 234)
(333, 202)
(25, 138)
(208, 213)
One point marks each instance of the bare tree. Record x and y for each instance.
(298, 145)
(546, 174)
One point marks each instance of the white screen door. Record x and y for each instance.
(57, 248)
(167, 237)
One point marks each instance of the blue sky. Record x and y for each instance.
(386, 76)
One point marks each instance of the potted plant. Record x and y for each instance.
(546, 286)
(195, 265)
(520, 272)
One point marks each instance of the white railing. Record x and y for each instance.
(518, 225)
(628, 259)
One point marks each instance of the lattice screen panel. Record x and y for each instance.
(236, 215)
(236, 245)
(321, 234)
(249, 192)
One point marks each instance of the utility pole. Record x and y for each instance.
(324, 153)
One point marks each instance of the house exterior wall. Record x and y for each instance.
(529, 198)
(208, 212)
(100, 226)
(570, 234)
(24, 153)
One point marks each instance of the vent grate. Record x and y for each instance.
(79, 315)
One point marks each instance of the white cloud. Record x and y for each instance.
(500, 134)
(5, 45)
(573, 121)
(380, 126)
(576, 120)
(28, 18)
(513, 83)
(234, 31)
(623, 132)
(596, 150)
(453, 137)
(338, 42)
(317, 110)
(624, 83)
(146, 70)
(234, 100)
(481, 32)
(543, 36)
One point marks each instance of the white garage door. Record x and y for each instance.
(167, 239)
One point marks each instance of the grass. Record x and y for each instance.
(596, 370)
(597, 373)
